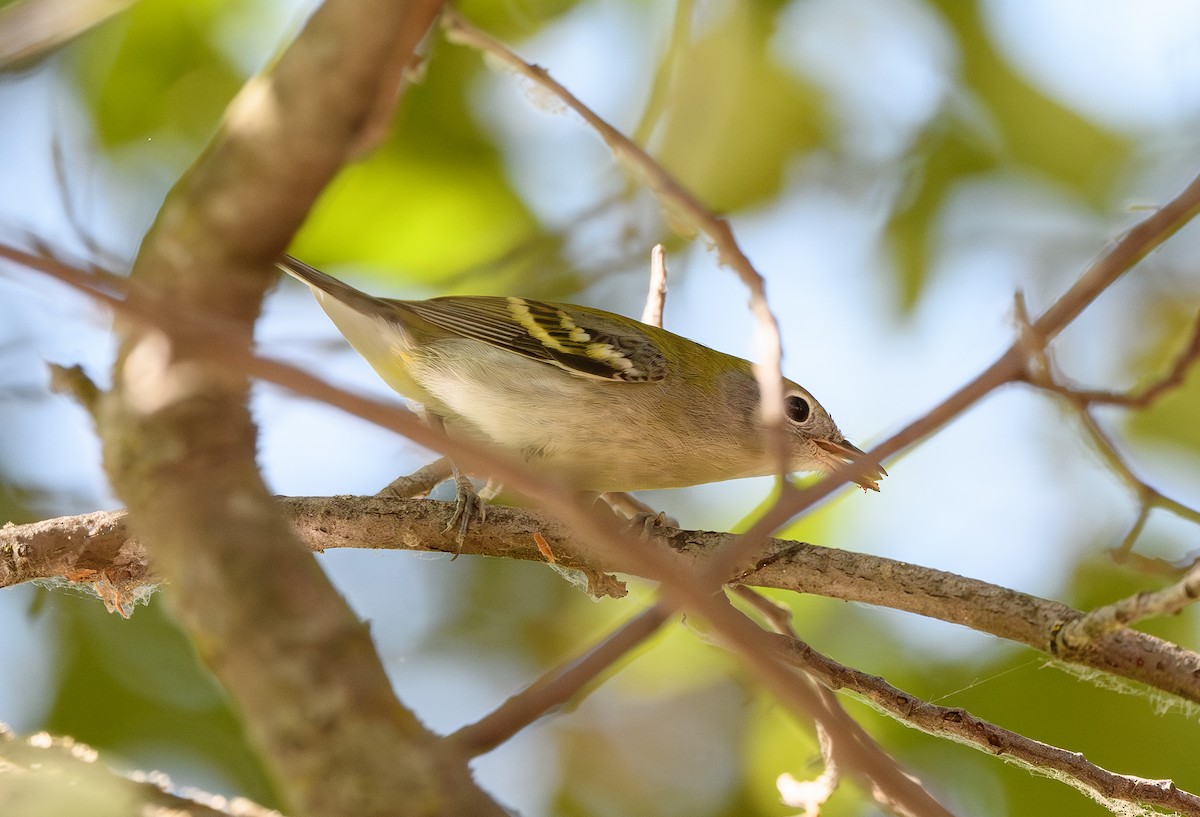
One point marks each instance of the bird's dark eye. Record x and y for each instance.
(797, 408)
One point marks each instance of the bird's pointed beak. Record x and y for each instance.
(846, 451)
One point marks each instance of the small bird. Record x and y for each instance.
(608, 403)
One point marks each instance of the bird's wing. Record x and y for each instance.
(583, 342)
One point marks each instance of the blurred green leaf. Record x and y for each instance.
(1035, 130)
(946, 153)
(733, 119)
(132, 685)
(155, 70)
(1031, 131)
(434, 200)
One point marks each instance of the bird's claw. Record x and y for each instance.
(468, 506)
(647, 523)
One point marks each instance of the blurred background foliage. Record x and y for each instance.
(897, 168)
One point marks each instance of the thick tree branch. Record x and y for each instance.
(179, 440)
(99, 545)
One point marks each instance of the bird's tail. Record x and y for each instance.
(322, 285)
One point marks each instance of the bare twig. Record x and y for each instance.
(1041, 372)
(419, 482)
(808, 795)
(558, 686)
(778, 616)
(1120, 614)
(1147, 495)
(962, 727)
(656, 298)
(1149, 393)
(851, 747)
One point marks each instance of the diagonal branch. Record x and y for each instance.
(962, 727)
(557, 686)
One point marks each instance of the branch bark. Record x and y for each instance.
(97, 547)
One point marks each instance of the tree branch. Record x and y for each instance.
(962, 727)
(179, 440)
(72, 546)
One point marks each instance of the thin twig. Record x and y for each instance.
(778, 616)
(656, 298)
(962, 727)
(1149, 393)
(420, 482)
(808, 795)
(558, 686)
(1041, 372)
(1118, 615)
(853, 749)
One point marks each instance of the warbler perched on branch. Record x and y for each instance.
(607, 402)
